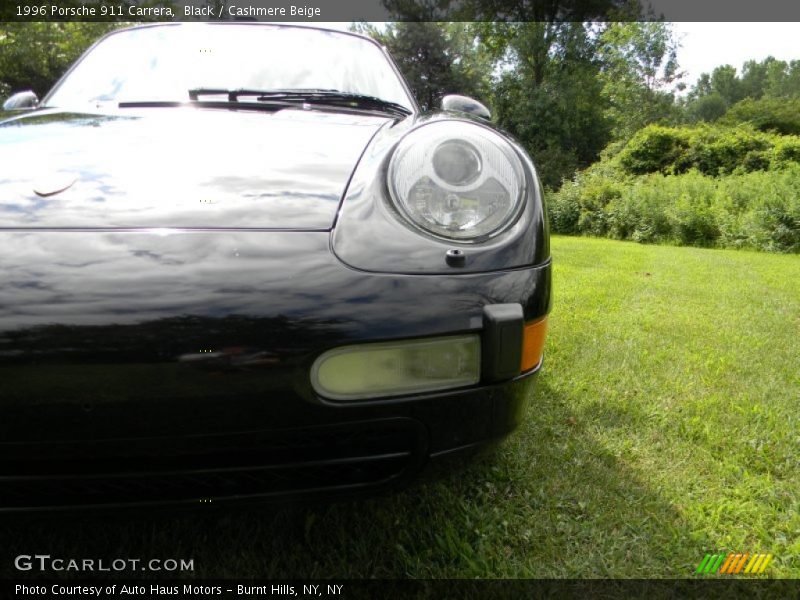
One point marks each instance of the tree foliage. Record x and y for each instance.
(781, 115)
(567, 89)
(757, 92)
(436, 59)
(639, 66)
(549, 95)
(34, 55)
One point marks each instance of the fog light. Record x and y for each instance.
(397, 368)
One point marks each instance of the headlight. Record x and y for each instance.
(457, 180)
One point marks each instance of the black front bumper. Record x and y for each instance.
(282, 464)
(97, 409)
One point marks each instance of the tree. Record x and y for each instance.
(725, 83)
(639, 64)
(436, 59)
(707, 108)
(34, 55)
(754, 77)
(783, 79)
(568, 89)
(544, 70)
(763, 94)
(548, 93)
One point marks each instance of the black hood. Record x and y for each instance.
(179, 168)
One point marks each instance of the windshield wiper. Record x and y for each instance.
(308, 96)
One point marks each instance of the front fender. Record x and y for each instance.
(370, 235)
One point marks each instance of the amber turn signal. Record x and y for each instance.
(533, 336)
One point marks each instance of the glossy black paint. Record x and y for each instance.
(179, 167)
(104, 338)
(161, 304)
(120, 321)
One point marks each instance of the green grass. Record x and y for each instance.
(664, 426)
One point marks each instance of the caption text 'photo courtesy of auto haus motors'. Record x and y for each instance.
(238, 279)
(185, 589)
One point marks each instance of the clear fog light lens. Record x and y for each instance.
(397, 368)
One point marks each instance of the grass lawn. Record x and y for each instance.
(664, 426)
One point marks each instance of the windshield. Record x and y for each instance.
(163, 63)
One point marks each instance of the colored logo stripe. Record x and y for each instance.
(704, 564)
(727, 564)
(734, 563)
(740, 564)
(715, 567)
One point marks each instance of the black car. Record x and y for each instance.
(239, 262)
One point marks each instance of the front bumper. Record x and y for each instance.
(358, 456)
(98, 410)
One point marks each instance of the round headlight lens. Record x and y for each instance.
(457, 180)
(456, 162)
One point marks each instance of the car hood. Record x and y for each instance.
(179, 168)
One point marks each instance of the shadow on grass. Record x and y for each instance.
(550, 501)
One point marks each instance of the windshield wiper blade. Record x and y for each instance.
(309, 96)
(337, 98)
(233, 95)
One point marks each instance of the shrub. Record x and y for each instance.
(715, 151)
(654, 149)
(772, 221)
(564, 207)
(781, 115)
(707, 185)
(787, 150)
(712, 150)
(758, 210)
(659, 208)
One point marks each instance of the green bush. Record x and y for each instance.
(772, 221)
(712, 150)
(654, 149)
(579, 205)
(781, 115)
(564, 208)
(659, 208)
(715, 151)
(758, 210)
(787, 150)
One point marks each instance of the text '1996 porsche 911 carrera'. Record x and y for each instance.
(238, 262)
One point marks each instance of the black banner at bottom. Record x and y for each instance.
(652, 589)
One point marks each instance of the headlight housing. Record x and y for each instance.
(457, 180)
